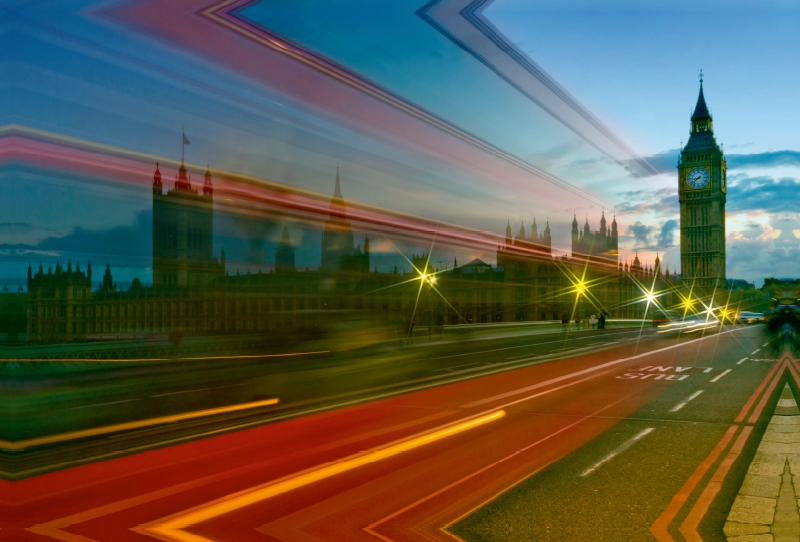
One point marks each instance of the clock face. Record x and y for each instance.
(697, 178)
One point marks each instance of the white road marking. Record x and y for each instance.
(683, 403)
(103, 404)
(532, 345)
(754, 352)
(624, 446)
(589, 370)
(454, 367)
(720, 375)
(741, 361)
(765, 344)
(190, 391)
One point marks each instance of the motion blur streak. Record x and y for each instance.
(174, 528)
(138, 360)
(29, 443)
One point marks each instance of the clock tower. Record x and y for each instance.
(702, 189)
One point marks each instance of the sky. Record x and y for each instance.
(636, 65)
(126, 76)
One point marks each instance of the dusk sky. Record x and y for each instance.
(439, 133)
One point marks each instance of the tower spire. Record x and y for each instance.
(337, 191)
(701, 109)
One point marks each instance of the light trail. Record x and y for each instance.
(51, 439)
(174, 528)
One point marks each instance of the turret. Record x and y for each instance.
(614, 235)
(208, 188)
(546, 240)
(508, 232)
(574, 231)
(108, 281)
(603, 224)
(534, 231)
(157, 187)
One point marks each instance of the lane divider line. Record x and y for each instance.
(748, 405)
(768, 393)
(683, 403)
(174, 527)
(621, 448)
(754, 352)
(370, 529)
(720, 375)
(589, 370)
(689, 526)
(741, 361)
(659, 528)
(51, 439)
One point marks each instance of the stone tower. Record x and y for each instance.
(702, 188)
(183, 229)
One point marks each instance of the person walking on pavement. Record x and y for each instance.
(593, 321)
(577, 321)
(601, 323)
(564, 322)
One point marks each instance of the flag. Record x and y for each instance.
(185, 141)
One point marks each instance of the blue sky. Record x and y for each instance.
(633, 65)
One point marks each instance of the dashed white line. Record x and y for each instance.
(624, 446)
(754, 352)
(683, 403)
(741, 361)
(720, 375)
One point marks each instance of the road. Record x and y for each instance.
(598, 446)
(304, 383)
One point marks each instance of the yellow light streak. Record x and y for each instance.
(174, 528)
(51, 439)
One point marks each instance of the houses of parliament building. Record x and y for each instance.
(192, 291)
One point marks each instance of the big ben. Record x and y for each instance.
(702, 188)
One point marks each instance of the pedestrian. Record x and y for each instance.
(564, 322)
(577, 321)
(602, 321)
(593, 321)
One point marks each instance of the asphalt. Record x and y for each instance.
(303, 384)
(587, 447)
(622, 497)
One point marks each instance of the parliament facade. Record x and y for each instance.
(192, 291)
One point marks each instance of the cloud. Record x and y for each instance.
(14, 227)
(641, 233)
(663, 202)
(666, 238)
(764, 194)
(128, 241)
(664, 162)
(768, 232)
(763, 159)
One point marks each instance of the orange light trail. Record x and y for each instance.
(51, 439)
(174, 528)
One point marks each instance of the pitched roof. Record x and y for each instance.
(701, 109)
(476, 263)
